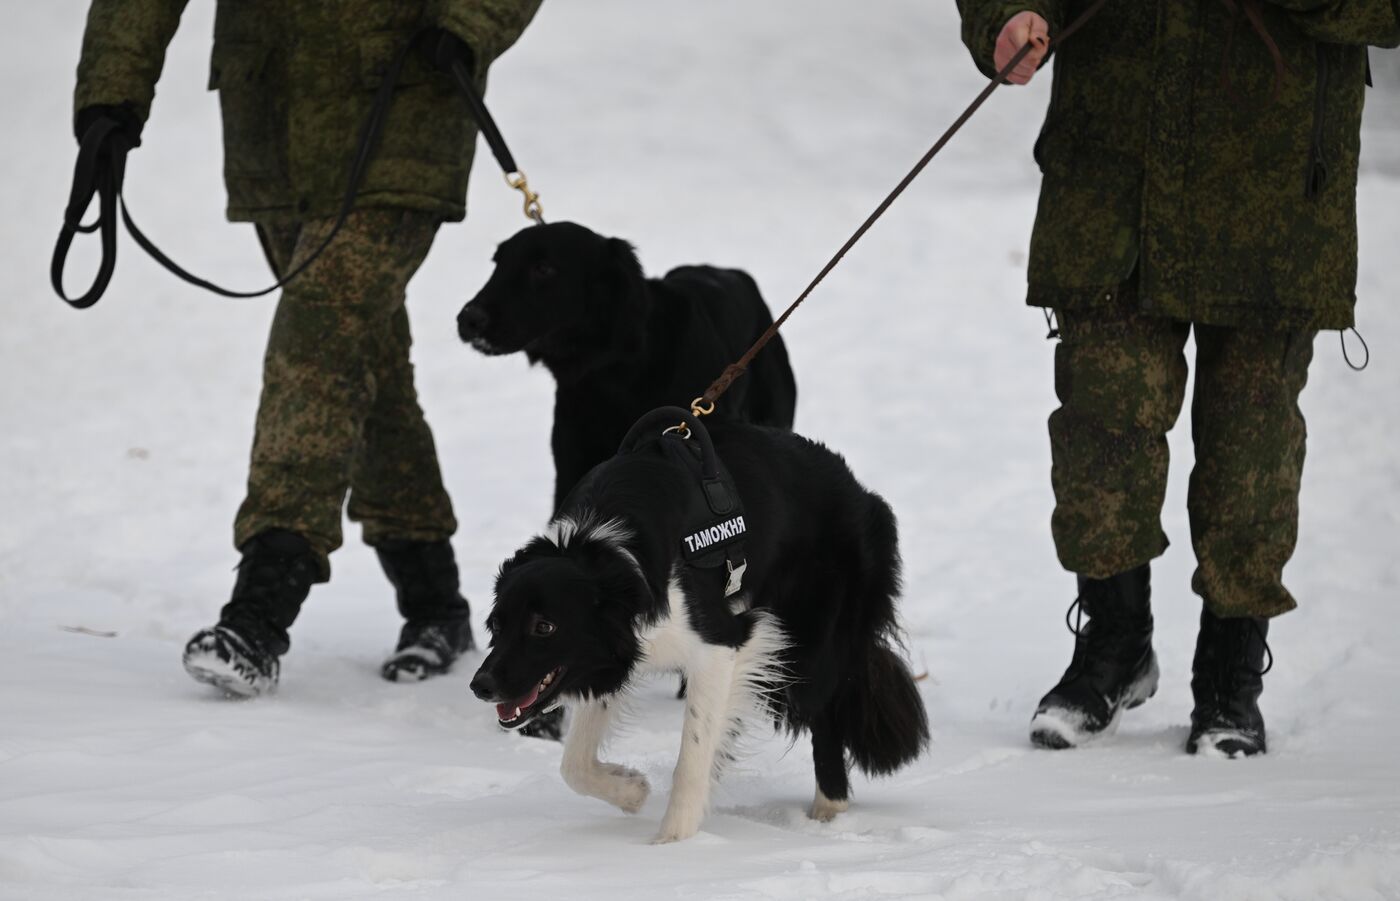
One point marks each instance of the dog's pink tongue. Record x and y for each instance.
(507, 711)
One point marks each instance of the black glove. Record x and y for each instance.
(128, 128)
(444, 48)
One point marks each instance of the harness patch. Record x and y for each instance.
(715, 536)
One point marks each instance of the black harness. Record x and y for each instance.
(713, 524)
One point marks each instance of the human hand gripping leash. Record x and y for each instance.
(101, 168)
(704, 405)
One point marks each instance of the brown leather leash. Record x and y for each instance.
(704, 405)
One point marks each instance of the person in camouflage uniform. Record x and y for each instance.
(338, 412)
(1200, 165)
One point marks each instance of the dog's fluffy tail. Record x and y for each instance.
(881, 718)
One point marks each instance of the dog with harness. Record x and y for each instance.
(747, 558)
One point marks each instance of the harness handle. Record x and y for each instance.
(663, 420)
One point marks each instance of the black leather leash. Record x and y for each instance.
(101, 164)
(101, 168)
(515, 177)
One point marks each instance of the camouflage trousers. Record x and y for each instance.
(1121, 380)
(339, 412)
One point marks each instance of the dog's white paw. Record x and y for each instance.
(670, 836)
(618, 785)
(681, 822)
(824, 810)
(623, 787)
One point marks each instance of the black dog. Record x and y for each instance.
(804, 626)
(620, 344)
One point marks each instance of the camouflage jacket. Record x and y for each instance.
(295, 83)
(1166, 155)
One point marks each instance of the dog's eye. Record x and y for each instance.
(542, 270)
(543, 628)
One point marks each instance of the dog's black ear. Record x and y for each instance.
(620, 262)
(618, 579)
(626, 288)
(533, 550)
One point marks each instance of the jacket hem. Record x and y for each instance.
(1332, 317)
(450, 211)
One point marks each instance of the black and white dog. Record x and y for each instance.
(620, 344)
(803, 628)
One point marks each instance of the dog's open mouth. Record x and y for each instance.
(484, 345)
(514, 714)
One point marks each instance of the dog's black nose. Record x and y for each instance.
(471, 322)
(484, 685)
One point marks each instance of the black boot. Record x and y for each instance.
(437, 620)
(548, 725)
(240, 654)
(1227, 677)
(1114, 668)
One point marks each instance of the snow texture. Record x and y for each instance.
(728, 132)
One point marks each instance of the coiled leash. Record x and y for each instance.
(101, 167)
(704, 405)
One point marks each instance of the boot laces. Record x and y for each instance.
(1076, 609)
(1232, 664)
(1268, 651)
(1096, 642)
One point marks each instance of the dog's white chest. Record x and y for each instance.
(671, 644)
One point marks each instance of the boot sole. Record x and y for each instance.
(415, 665)
(1226, 744)
(411, 668)
(548, 727)
(1052, 732)
(215, 672)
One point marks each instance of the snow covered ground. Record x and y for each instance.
(747, 134)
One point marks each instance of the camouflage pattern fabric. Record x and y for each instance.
(338, 411)
(1166, 154)
(296, 81)
(1121, 380)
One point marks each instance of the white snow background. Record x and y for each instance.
(737, 133)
